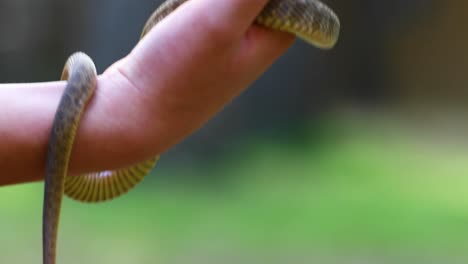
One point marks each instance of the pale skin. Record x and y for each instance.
(178, 77)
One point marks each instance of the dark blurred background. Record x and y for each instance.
(343, 156)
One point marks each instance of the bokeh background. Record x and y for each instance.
(354, 155)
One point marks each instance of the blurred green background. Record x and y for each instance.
(355, 155)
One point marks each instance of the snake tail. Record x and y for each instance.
(80, 72)
(81, 79)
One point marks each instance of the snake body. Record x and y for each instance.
(310, 20)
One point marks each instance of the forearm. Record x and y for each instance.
(27, 112)
(105, 138)
(121, 125)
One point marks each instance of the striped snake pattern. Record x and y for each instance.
(310, 20)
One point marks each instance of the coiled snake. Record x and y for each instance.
(310, 20)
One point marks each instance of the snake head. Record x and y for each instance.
(310, 20)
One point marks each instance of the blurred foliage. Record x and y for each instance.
(361, 191)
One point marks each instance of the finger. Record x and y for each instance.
(235, 16)
(261, 47)
(196, 31)
(221, 21)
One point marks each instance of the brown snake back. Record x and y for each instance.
(310, 20)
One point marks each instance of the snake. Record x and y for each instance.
(311, 20)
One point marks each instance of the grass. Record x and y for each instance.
(362, 191)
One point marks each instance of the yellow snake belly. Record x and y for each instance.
(311, 20)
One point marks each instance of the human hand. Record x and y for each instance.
(178, 77)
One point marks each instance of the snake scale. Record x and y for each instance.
(311, 20)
